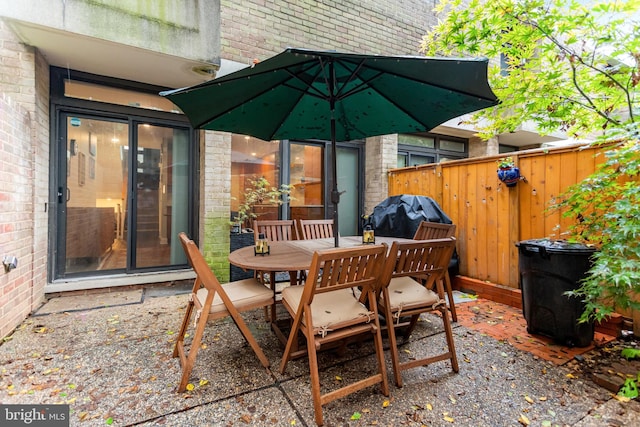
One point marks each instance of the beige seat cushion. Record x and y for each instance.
(242, 293)
(331, 310)
(404, 292)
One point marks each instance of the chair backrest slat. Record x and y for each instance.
(316, 228)
(434, 230)
(335, 269)
(275, 230)
(424, 259)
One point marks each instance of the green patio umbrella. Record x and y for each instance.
(327, 95)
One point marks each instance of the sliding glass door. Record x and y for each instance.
(122, 195)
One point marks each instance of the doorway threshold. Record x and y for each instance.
(110, 281)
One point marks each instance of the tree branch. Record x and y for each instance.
(568, 51)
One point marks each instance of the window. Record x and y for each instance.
(251, 159)
(420, 149)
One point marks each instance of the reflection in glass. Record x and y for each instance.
(161, 195)
(306, 175)
(95, 195)
(253, 158)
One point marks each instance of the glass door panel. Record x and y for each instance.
(161, 178)
(105, 225)
(95, 196)
(307, 179)
(348, 178)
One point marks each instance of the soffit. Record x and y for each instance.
(98, 56)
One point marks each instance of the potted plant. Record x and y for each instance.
(507, 171)
(258, 193)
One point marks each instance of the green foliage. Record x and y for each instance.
(630, 353)
(568, 66)
(260, 192)
(505, 162)
(629, 389)
(565, 66)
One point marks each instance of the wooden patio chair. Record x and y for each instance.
(327, 310)
(434, 230)
(316, 228)
(402, 296)
(276, 230)
(212, 300)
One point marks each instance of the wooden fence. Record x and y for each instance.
(491, 217)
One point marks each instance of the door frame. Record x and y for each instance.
(61, 106)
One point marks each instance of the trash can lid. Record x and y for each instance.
(557, 246)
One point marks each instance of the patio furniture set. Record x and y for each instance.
(334, 296)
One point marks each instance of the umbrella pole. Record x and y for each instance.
(335, 194)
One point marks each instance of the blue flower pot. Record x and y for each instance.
(510, 176)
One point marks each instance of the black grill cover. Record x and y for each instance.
(400, 216)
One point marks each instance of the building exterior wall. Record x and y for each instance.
(24, 142)
(381, 154)
(207, 30)
(479, 147)
(259, 29)
(183, 28)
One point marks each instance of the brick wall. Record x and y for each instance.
(16, 214)
(215, 162)
(381, 155)
(259, 29)
(24, 177)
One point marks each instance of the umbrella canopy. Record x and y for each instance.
(327, 95)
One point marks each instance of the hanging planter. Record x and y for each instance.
(508, 172)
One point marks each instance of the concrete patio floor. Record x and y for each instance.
(109, 357)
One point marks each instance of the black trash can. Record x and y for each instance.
(548, 269)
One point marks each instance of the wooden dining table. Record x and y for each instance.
(292, 256)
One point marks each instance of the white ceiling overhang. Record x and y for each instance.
(97, 56)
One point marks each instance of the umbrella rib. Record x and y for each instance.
(435, 84)
(267, 89)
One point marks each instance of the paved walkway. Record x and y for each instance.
(109, 357)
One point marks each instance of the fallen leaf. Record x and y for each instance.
(524, 420)
(429, 406)
(203, 382)
(570, 376)
(338, 378)
(190, 387)
(109, 421)
(245, 418)
(385, 403)
(356, 416)
(528, 399)
(448, 419)
(542, 398)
